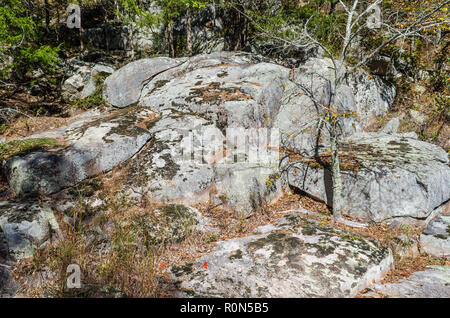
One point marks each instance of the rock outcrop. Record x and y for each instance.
(389, 177)
(123, 87)
(295, 257)
(91, 146)
(298, 119)
(220, 92)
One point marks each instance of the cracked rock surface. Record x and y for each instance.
(295, 257)
(390, 177)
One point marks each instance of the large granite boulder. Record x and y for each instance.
(295, 257)
(231, 89)
(92, 146)
(388, 177)
(123, 87)
(26, 226)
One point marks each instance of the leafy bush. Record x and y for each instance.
(19, 38)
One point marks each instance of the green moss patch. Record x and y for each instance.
(24, 146)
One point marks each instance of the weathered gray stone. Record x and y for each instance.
(26, 226)
(296, 257)
(231, 89)
(433, 282)
(166, 172)
(394, 177)
(248, 187)
(83, 82)
(435, 240)
(91, 147)
(158, 171)
(123, 87)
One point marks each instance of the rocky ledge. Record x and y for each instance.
(385, 177)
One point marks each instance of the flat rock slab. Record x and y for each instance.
(435, 240)
(433, 282)
(123, 88)
(390, 177)
(26, 226)
(295, 257)
(92, 146)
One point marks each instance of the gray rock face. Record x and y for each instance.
(295, 257)
(433, 282)
(297, 118)
(165, 172)
(396, 178)
(123, 87)
(231, 89)
(83, 83)
(158, 173)
(435, 240)
(26, 226)
(92, 146)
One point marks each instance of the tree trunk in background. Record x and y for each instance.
(131, 37)
(170, 40)
(81, 28)
(47, 16)
(188, 31)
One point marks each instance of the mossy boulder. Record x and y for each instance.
(394, 178)
(90, 146)
(295, 257)
(25, 146)
(26, 226)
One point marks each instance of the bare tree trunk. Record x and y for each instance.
(336, 176)
(170, 40)
(188, 31)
